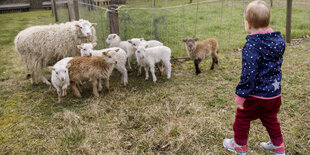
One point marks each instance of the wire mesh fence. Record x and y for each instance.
(171, 20)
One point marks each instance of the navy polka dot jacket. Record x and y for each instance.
(261, 65)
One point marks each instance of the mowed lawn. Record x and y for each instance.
(187, 114)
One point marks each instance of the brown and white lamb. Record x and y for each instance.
(198, 51)
(93, 69)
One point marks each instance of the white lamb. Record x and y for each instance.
(42, 46)
(135, 42)
(87, 49)
(115, 41)
(60, 76)
(148, 57)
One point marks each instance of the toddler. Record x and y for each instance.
(259, 89)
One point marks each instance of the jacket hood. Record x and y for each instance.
(271, 45)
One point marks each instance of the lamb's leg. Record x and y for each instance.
(78, 86)
(44, 80)
(139, 70)
(213, 62)
(123, 71)
(94, 82)
(161, 67)
(168, 68)
(59, 94)
(33, 79)
(75, 89)
(197, 61)
(129, 66)
(99, 85)
(64, 90)
(152, 69)
(146, 68)
(107, 84)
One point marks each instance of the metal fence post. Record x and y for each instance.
(113, 19)
(288, 21)
(54, 10)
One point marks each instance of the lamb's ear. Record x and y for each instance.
(68, 65)
(51, 68)
(105, 53)
(184, 40)
(94, 44)
(116, 50)
(79, 46)
(196, 39)
(93, 24)
(130, 41)
(77, 25)
(114, 36)
(146, 46)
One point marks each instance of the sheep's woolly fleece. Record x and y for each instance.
(40, 46)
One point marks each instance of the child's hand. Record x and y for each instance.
(240, 100)
(240, 106)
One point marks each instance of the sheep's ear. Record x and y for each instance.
(94, 44)
(77, 25)
(105, 53)
(114, 36)
(130, 41)
(116, 50)
(68, 65)
(79, 46)
(196, 39)
(51, 68)
(93, 24)
(146, 46)
(184, 40)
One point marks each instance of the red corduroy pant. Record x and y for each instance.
(266, 111)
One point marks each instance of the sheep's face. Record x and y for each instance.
(135, 42)
(110, 56)
(85, 28)
(61, 72)
(86, 49)
(112, 38)
(140, 52)
(190, 43)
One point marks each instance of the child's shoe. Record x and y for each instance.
(278, 150)
(231, 145)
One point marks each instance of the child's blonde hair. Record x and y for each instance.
(257, 14)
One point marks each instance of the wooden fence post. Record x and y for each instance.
(54, 9)
(288, 21)
(113, 19)
(76, 9)
(71, 10)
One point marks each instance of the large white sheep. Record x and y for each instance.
(87, 49)
(148, 57)
(42, 46)
(114, 40)
(60, 76)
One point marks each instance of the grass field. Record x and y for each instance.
(214, 20)
(187, 114)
